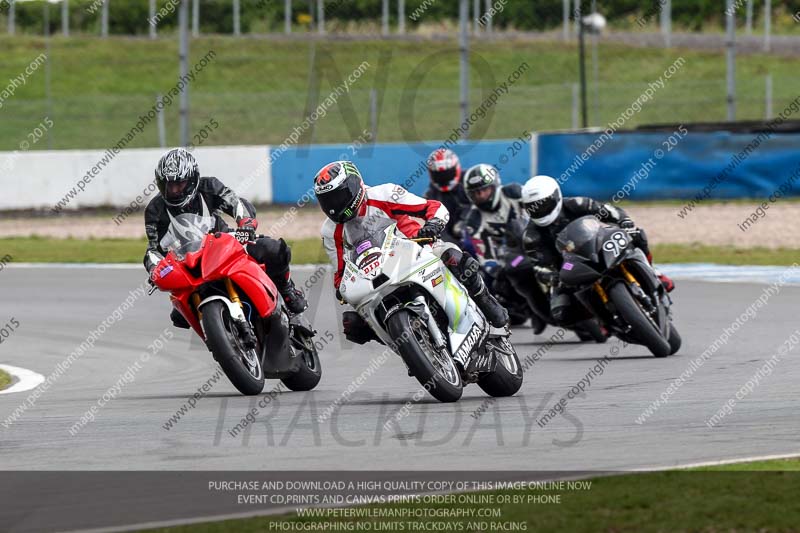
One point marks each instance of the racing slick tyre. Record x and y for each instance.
(310, 372)
(506, 379)
(674, 339)
(436, 371)
(242, 366)
(643, 328)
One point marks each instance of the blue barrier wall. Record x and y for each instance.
(293, 171)
(683, 172)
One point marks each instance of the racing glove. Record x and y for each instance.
(247, 230)
(626, 223)
(432, 229)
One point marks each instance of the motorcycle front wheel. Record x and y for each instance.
(643, 327)
(242, 366)
(435, 371)
(506, 379)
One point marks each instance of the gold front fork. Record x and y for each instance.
(232, 294)
(601, 292)
(196, 302)
(628, 275)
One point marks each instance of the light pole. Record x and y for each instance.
(593, 24)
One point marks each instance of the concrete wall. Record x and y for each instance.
(41, 179)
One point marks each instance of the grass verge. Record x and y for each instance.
(5, 379)
(45, 250)
(742, 497)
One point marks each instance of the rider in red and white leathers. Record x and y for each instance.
(343, 196)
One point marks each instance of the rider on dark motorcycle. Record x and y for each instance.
(493, 233)
(550, 213)
(182, 190)
(444, 170)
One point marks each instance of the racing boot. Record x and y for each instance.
(495, 313)
(467, 270)
(292, 296)
(665, 280)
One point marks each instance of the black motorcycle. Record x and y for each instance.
(614, 281)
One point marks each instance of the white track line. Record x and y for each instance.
(721, 462)
(26, 379)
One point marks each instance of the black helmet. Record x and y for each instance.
(482, 185)
(339, 190)
(177, 177)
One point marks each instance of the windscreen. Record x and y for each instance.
(579, 236)
(366, 236)
(185, 234)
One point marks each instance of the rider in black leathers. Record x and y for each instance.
(550, 213)
(182, 190)
(444, 170)
(493, 233)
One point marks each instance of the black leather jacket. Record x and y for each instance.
(539, 243)
(457, 205)
(212, 197)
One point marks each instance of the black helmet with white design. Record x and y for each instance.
(482, 185)
(340, 190)
(541, 196)
(177, 177)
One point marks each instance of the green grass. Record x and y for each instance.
(725, 499)
(5, 379)
(697, 253)
(43, 250)
(257, 89)
(782, 465)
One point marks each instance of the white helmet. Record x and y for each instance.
(541, 197)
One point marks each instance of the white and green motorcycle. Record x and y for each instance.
(418, 308)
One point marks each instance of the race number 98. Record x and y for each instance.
(616, 243)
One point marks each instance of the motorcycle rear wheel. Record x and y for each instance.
(643, 328)
(436, 372)
(223, 341)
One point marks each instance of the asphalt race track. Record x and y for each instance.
(58, 307)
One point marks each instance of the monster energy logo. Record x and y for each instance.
(350, 168)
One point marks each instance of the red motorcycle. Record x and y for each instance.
(229, 300)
